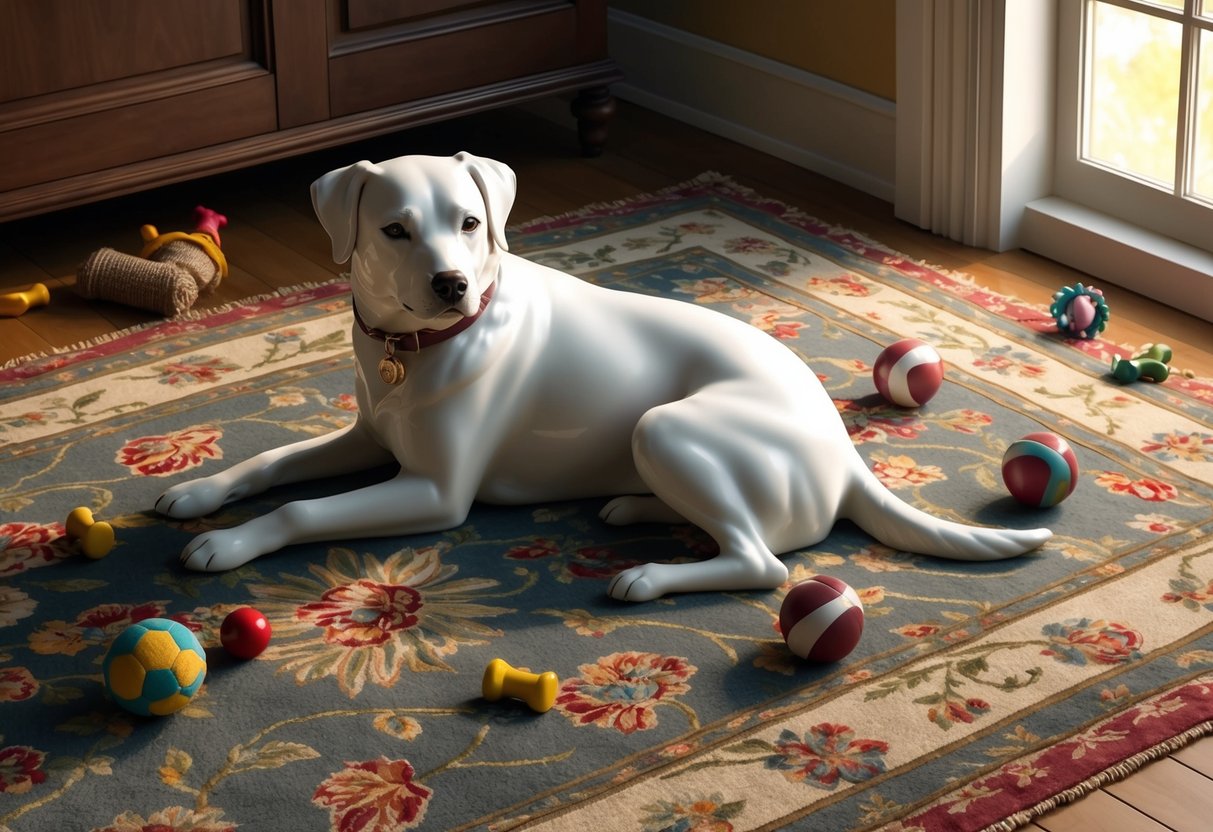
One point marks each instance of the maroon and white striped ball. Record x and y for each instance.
(821, 619)
(908, 373)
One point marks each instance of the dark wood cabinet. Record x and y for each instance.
(99, 99)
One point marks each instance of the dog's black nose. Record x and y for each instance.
(450, 286)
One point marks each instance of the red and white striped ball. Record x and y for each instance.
(821, 619)
(1040, 470)
(908, 373)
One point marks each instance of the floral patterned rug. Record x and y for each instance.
(978, 695)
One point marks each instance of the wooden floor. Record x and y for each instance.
(274, 241)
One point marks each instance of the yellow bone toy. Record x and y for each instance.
(96, 537)
(13, 304)
(536, 689)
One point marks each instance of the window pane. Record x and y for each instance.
(1202, 153)
(1133, 92)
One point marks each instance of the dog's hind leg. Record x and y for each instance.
(737, 567)
(340, 452)
(697, 469)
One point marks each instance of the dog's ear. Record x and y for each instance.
(335, 198)
(497, 185)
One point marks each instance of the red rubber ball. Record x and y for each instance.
(245, 633)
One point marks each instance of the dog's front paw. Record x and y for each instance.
(222, 549)
(640, 583)
(196, 498)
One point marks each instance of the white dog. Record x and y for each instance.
(489, 377)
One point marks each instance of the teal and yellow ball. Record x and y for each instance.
(154, 667)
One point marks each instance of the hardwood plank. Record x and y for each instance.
(1198, 756)
(1171, 793)
(1098, 812)
(272, 262)
(17, 339)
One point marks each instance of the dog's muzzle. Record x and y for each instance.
(450, 286)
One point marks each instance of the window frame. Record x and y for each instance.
(1175, 213)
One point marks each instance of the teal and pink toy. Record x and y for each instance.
(1079, 311)
(1040, 470)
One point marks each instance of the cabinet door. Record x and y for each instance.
(384, 52)
(88, 86)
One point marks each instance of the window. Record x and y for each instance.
(1135, 113)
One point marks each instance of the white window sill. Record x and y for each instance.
(1126, 255)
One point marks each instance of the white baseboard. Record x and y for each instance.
(814, 122)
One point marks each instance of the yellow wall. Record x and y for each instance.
(849, 41)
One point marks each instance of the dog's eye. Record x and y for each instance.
(396, 231)
(471, 224)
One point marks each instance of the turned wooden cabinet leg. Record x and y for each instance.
(593, 108)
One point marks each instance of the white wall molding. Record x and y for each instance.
(975, 115)
(819, 124)
(944, 70)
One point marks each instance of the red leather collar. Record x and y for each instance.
(415, 341)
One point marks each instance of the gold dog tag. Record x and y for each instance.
(391, 370)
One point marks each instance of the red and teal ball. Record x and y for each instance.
(154, 667)
(1040, 470)
(908, 373)
(821, 619)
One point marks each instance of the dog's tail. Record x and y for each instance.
(895, 523)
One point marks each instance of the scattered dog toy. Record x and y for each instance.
(96, 537)
(245, 633)
(821, 619)
(1080, 311)
(169, 273)
(536, 689)
(1152, 364)
(13, 304)
(1040, 470)
(908, 373)
(154, 667)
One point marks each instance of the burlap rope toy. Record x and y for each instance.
(168, 275)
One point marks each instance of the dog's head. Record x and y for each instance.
(424, 234)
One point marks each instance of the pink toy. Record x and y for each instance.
(1079, 311)
(245, 633)
(821, 619)
(1040, 470)
(908, 373)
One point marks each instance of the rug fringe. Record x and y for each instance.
(185, 317)
(1109, 775)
